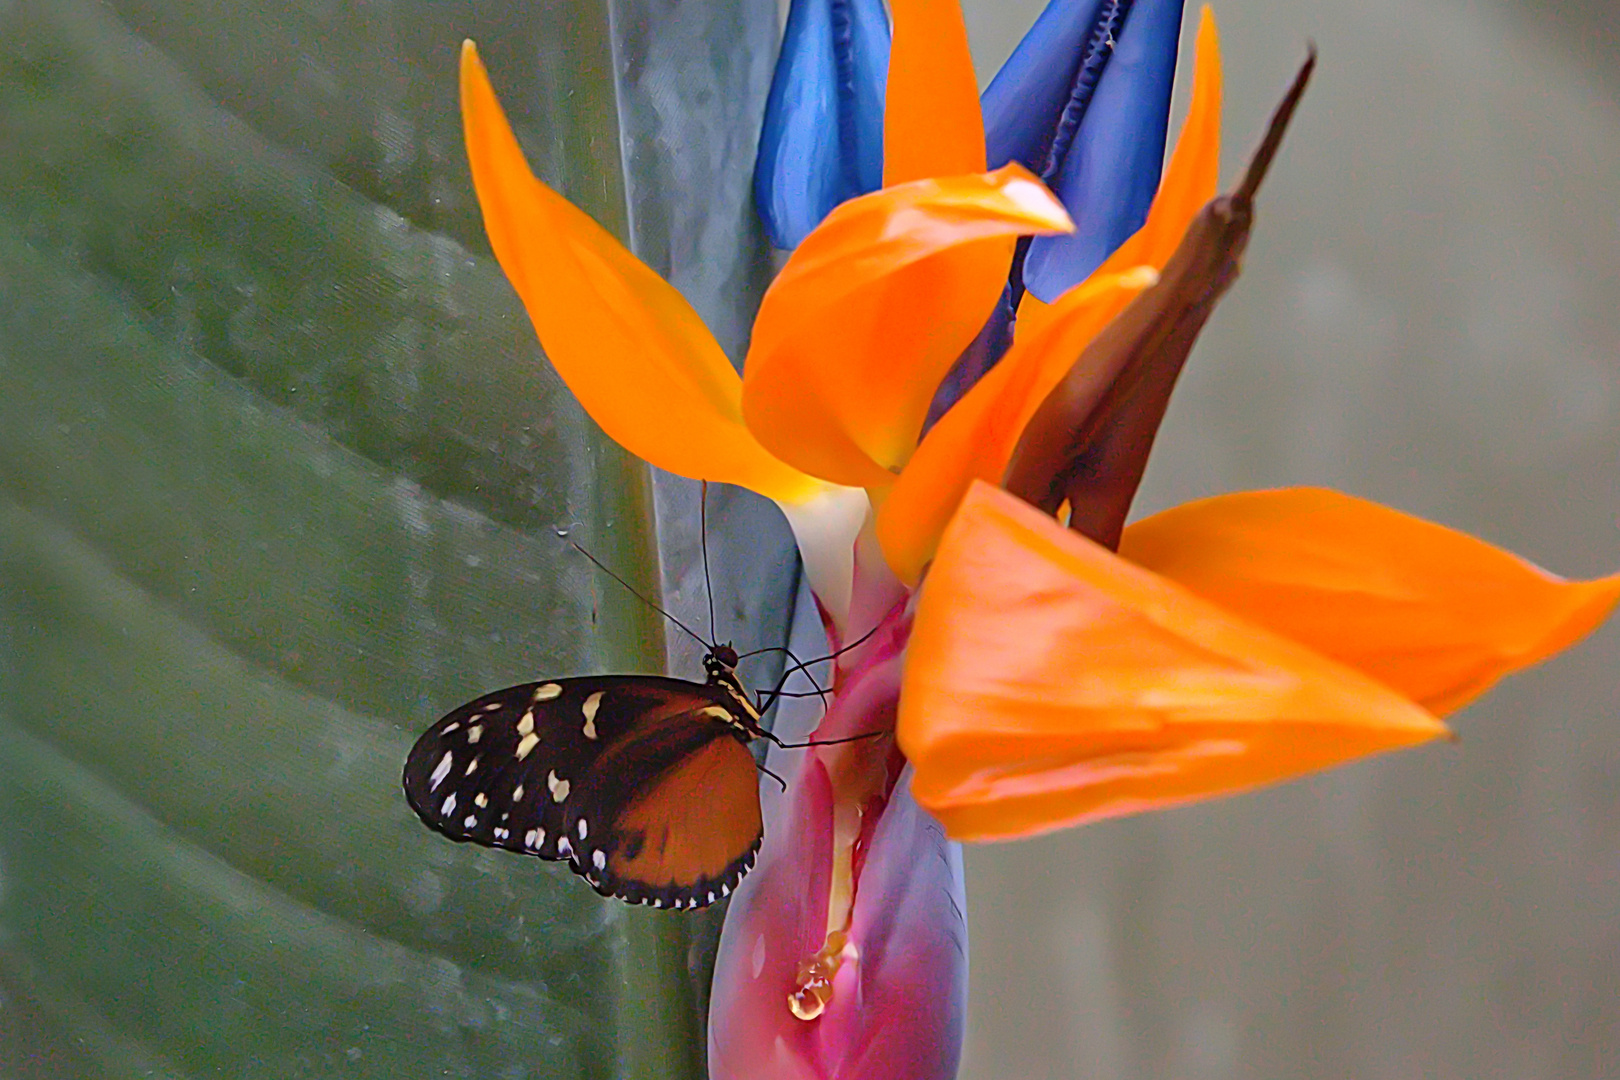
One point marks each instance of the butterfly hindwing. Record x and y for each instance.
(643, 783)
(669, 816)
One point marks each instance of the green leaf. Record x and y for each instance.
(282, 470)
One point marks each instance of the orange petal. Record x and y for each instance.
(932, 125)
(630, 347)
(976, 437)
(1431, 612)
(1049, 682)
(974, 440)
(872, 309)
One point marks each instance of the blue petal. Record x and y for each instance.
(822, 141)
(1026, 99)
(1108, 174)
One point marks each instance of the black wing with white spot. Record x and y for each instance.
(621, 775)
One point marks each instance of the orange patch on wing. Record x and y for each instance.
(694, 822)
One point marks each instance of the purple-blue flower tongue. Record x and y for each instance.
(1084, 102)
(822, 141)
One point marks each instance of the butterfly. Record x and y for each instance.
(644, 784)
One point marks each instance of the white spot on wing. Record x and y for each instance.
(532, 838)
(517, 793)
(474, 733)
(480, 800)
(717, 712)
(471, 765)
(584, 829)
(547, 691)
(526, 723)
(469, 822)
(526, 744)
(449, 806)
(440, 771)
(599, 860)
(558, 786)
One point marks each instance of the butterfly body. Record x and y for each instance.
(644, 784)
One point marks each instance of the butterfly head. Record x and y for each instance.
(721, 668)
(721, 662)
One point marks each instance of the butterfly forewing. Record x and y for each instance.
(643, 783)
(481, 774)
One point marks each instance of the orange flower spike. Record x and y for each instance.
(1430, 612)
(975, 439)
(932, 125)
(872, 309)
(630, 347)
(1049, 682)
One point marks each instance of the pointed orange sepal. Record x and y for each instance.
(1433, 613)
(630, 347)
(872, 309)
(932, 125)
(1049, 682)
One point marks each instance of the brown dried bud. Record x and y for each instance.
(1091, 451)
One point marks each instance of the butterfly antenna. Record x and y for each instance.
(600, 565)
(703, 539)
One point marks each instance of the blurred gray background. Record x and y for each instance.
(1430, 317)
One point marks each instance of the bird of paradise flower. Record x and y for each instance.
(1042, 664)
